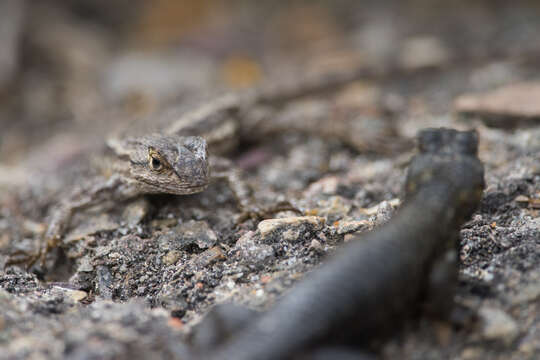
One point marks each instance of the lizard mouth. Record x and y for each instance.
(194, 189)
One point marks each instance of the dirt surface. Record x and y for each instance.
(130, 280)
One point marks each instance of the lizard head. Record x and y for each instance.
(166, 164)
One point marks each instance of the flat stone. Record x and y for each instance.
(291, 228)
(347, 227)
(519, 100)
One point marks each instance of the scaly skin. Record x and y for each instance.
(382, 278)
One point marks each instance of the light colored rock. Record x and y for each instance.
(347, 227)
(171, 257)
(380, 207)
(135, 212)
(515, 100)
(291, 228)
(316, 245)
(74, 295)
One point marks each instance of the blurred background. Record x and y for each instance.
(66, 64)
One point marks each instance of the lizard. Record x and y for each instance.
(375, 282)
(150, 164)
(221, 122)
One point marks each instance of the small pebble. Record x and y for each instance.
(74, 295)
(171, 257)
(316, 245)
(209, 256)
(135, 212)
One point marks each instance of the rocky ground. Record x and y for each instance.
(130, 280)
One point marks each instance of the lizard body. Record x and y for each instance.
(378, 280)
(278, 107)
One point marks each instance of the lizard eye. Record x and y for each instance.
(155, 163)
